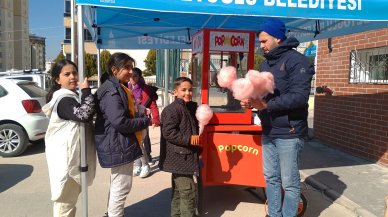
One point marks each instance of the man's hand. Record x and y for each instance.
(258, 104)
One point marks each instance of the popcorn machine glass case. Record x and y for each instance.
(212, 50)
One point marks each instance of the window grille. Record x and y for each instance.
(369, 66)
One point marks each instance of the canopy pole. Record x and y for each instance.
(73, 32)
(166, 79)
(98, 67)
(81, 73)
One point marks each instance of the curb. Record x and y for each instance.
(335, 197)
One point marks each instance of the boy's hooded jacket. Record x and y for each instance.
(178, 124)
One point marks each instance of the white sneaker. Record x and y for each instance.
(136, 170)
(145, 171)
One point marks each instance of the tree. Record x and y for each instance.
(90, 65)
(104, 57)
(258, 60)
(59, 57)
(150, 63)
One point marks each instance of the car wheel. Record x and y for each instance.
(13, 140)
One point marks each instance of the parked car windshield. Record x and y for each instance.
(33, 90)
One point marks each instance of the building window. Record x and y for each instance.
(68, 33)
(369, 66)
(184, 66)
(87, 35)
(67, 6)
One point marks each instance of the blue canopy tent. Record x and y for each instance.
(161, 24)
(158, 24)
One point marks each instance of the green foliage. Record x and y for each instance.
(150, 63)
(59, 57)
(104, 57)
(258, 60)
(90, 65)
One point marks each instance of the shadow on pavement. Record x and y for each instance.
(12, 174)
(157, 205)
(219, 199)
(34, 148)
(337, 187)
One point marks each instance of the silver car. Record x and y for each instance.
(21, 118)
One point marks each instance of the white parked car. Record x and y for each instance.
(21, 118)
(41, 79)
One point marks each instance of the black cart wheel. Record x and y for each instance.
(302, 206)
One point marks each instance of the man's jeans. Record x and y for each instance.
(281, 170)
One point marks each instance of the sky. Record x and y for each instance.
(46, 20)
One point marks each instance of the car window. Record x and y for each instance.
(21, 78)
(32, 90)
(3, 91)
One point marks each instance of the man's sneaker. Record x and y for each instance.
(136, 170)
(145, 171)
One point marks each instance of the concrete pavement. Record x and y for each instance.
(352, 182)
(335, 184)
(355, 183)
(24, 192)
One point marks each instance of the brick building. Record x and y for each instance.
(355, 117)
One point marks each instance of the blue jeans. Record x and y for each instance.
(281, 170)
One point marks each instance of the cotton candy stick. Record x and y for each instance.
(203, 114)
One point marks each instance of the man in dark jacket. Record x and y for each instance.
(283, 116)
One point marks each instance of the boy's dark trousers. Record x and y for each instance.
(184, 190)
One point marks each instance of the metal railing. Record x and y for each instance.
(369, 66)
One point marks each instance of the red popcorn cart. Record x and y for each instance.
(232, 143)
(232, 149)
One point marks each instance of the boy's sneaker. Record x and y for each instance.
(136, 170)
(145, 171)
(151, 161)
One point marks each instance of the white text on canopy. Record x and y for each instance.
(229, 41)
(321, 4)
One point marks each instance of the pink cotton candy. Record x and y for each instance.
(263, 83)
(203, 114)
(270, 83)
(242, 88)
(226, 76)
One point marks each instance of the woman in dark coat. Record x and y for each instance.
(118, 130)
